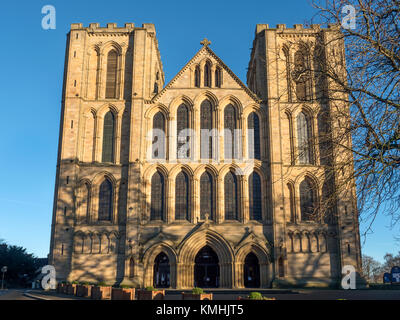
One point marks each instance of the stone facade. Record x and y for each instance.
(105, 223)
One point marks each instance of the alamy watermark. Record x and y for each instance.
(49, 280)
(49, 20)
(349, 20)
(349, 279)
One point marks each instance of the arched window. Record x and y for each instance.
(182, 124)
(157, 197)
(230, 125)
(207, 74)
(255, 197)
(105, 201)
(218, 77)
(308, 200)
(304, 139)
(182, 202)
(207, 196)
(111, 80)
(206, 126)
(301, 77)
(253, 126)
(159, 146)
(231, 197)
(299, 60)
(108, 138)
(155, 88)
(197, 77)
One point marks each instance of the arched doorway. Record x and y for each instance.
(206, 269)
(161, 275)
(251, 271)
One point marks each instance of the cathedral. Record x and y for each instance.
(204, 181)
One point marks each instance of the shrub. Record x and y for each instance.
(101, 284)
(255, 296)
(150, 288)
(125, 286)
(197, 291)
(74, 282)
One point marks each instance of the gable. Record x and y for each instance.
(185, 77)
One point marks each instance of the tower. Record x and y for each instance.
(314, 200)
(109, 73)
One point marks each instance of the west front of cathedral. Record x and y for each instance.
(204, 181)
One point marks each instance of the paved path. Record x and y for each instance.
(310, 295)
(13, 295)
(26, 294)
(297, 294)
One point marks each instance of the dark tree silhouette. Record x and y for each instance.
(21, 266)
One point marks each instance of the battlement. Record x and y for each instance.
(297, 28)
(112, 27)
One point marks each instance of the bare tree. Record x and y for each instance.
(372, 269)
(363, 92)
(391, 261)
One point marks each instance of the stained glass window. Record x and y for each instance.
(206, 124)
(157, 197)
(111, 81)
(197, 77)
(159, 147)
(105, 201)
(301, 77)
(255, 196)
(230, 147)
(207, 197)
(307, 200)
(304, 139)
(207, 74)
(108, 138)
(253, 125)
(182, 202)
(182, 124)
(231, 197)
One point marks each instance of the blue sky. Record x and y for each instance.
(32, 62)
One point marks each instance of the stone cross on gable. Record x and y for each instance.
(205, 42)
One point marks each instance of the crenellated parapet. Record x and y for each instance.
(299, 28)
